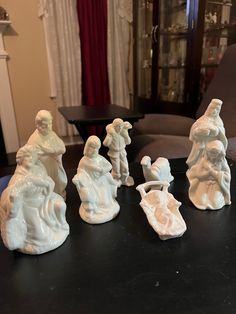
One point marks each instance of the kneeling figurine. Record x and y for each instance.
(96, 187)
(32, 216)
(210, 178)
(162, 210)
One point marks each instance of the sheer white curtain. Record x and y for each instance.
(120, 17)
(64, 57)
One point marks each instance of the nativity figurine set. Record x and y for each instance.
(33, 207)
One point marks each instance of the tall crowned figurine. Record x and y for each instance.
(51, 148)
(210, 178)
(209, 174)
(32, 216)
(116, 140)
(207, 128)
(96, 187)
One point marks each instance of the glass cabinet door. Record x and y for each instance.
(173, 33)
(144, 43)
(179, 45)
(219, 32)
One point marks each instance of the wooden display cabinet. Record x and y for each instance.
(178, 46)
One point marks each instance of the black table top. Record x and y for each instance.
(98, 114)
(123, 267)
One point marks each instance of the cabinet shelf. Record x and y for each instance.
(171, 67)
(220, 3)
(216, 35)
(169, 33)
(220, 27)
(209, 65)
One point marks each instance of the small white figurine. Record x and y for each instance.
(214, 18)
(208, 127)
(210, 179)
(32, 216)
(116, 140)
(52, 148)
(159, 170)
(96, 187)
(162, 210)
(207, 17)
(210, 17)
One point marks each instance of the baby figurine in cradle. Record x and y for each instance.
(162, 210)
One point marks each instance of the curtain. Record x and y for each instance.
(64, 59)
(93, 37)
(119, 50)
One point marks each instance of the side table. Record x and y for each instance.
(84, 116)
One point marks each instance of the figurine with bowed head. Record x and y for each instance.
(162, 210)
(210, 178)
(32, 215)
(51, 148)
(208, 127)
(116, 140)
(96, 187)
(159, 170)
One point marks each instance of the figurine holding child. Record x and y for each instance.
(32, 215)
(96, 187)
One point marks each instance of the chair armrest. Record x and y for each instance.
(163, 124)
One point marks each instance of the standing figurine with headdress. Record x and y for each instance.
(116, 140)
(51, 148)
(207, 128)
(209, 174)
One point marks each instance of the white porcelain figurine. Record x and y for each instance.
(210, 178)
(207, 128)
(214, 18)
(162, 210)
(116, 140)
(159, 170)
(96, 187)
(52, 148)
(32, 216)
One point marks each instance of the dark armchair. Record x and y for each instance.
(167, 135)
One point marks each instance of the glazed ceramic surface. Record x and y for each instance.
(32, 215)
(209, 174)
(159, 170)
(210, 178)
(96, 187)
(116, 140)
(162, 210)
(51, 148)
(207, 128)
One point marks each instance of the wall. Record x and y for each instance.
(27, 65)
